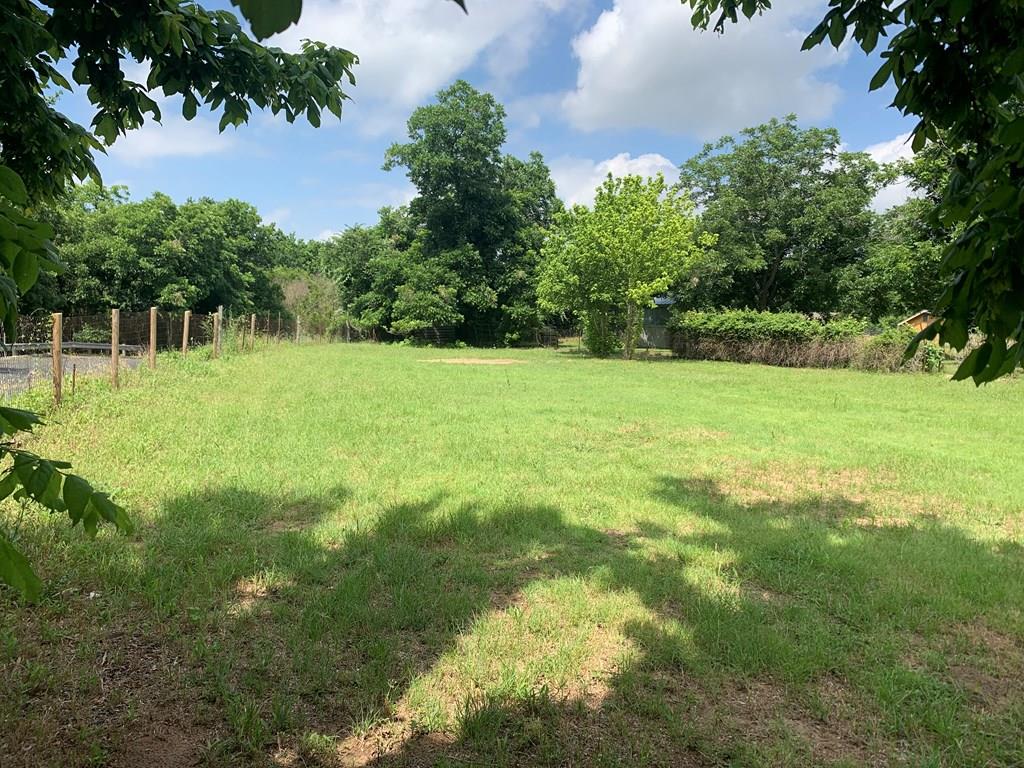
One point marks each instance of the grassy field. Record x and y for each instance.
(357, 555)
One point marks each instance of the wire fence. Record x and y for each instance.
(56, 349)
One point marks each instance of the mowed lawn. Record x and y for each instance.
(356, 555)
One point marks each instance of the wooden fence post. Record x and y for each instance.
(216, 333)
(184, 331)
(298, 328)
(58, 363)
(115, 345)
(278, 326)
(152, 338)
(252, 332)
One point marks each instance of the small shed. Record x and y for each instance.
(655, 334)
(919, 321)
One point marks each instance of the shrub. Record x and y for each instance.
(91, 334)
(794, 340)
(747, 325)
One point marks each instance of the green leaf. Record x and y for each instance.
(111, 512)
(188, 109)
(268, 17)
(22, 420)
(26, 270)
(974, 362)
(837, 30)
(12, 187)
(1012, 133)
(106, 129)
(16, 572)
(881, 76)
(76, 496)
(7, 485)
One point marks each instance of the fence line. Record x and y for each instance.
(58, 346)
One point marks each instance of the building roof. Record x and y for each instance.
(916, 315)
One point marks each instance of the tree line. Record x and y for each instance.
(777, 218)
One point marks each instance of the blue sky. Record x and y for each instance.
(595, 85)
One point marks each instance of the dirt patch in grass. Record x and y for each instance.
(161, 744)
(475, 361)
(115, 695)
(990, 670)
(865, 491)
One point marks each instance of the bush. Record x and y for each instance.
(794, 340)
(747, 325)
(92, 335)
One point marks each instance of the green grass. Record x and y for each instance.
(351, 555)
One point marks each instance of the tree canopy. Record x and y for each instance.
(789, 209)
(198, 255)
(607, 263)
(958, 66)
(480, 214)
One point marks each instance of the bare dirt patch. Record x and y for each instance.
(475, 361)
(991, 670)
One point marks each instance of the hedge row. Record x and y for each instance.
(748, 325)
(793, 340)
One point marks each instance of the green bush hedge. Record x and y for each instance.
(747, 325)
(794, 340)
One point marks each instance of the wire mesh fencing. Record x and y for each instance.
(56, 349)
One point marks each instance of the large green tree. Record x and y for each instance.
(958, 66)
(198, 255)
(490, 207)
(606, 263)
(901, 271)
(790, 208)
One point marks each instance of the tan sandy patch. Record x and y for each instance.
(475, 361)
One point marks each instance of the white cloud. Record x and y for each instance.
(577, 178)
(890, 151)
(327, 234)
(642, 65)
(175, 137)
(373, 195)
(409, 49)
(277, 216)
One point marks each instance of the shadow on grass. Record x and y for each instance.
(775, 632)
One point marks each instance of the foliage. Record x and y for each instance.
(750, 325)
(201, 55)
(607, 263)
(794, 340)
(314, 299)
(29, 477)
(959, 67)
(474, 198)
(789, 209)
(198, 255)
(900, 272)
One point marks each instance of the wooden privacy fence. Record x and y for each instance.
(69, 345)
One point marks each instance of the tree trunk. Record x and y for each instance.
(764, 293)
(629, 343)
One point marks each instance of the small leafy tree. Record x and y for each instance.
(607, 263)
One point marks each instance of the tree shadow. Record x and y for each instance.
(767, 631)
